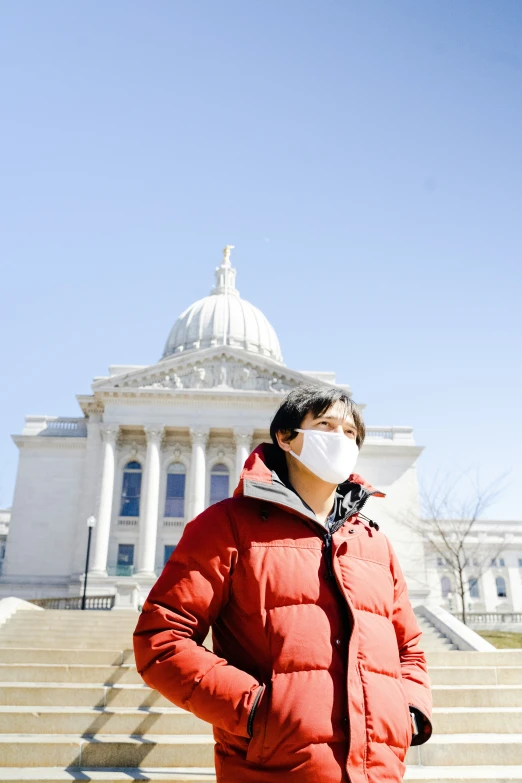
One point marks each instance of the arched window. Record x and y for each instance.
(219, 483)
(445, 586)
(501, 587)
(175, 494)
(131, 490)
(473, 588)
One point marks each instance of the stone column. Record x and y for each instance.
(489, 588)
(199, 439)
(149, 510)
(243, 438)
(109, 434)
(514, 585)
(90, 493)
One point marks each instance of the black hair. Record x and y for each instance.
(314, 399)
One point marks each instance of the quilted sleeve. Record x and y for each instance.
(182, 605)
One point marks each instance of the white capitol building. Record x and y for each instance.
(157, 444)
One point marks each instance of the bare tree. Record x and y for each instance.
(449, 520)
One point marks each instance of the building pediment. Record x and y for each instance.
(222, 369)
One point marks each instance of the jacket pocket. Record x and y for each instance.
(258, 697)
(257, 721)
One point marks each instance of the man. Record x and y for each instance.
(316, 675)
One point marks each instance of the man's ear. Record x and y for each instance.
(284, 438)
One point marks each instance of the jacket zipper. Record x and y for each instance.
(328, 555)
(253, 709)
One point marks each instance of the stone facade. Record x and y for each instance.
(196, 414)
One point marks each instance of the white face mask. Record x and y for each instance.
(330, 455)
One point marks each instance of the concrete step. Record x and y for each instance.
(134, 695)
(12, 627)
(432, 639)
(112, 775)
(477, 696)
(56, 672)
(172, 720)
(71, 619)
(454, 750)
(462, 774)
(77, 643)
(437, 645)
(98, 673)
(436, 639)
(475, 675)
(106, 750)
(85, 657)
(118, 637)
(432, 633)
(82, 615)
(28, 694)
(477, 720)
(414, 774)
(86, 629)
(82, 720)
(461, 658)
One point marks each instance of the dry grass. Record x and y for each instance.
(503, 640)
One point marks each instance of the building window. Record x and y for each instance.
(475, 562)
(501, 587)
(493, 562)
(440, 561)
(169, 549)
(131, 490)
(219, 483)
(474, 588)
(520, 562)
(502, 562)
(175, 495)
(125, 562)
(445, 586)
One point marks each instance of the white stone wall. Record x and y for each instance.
(44, 514)
(487, 600)
(395, 474)
(89, 494)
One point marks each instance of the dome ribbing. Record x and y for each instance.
(223, 318)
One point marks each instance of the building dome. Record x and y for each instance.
(223, 318)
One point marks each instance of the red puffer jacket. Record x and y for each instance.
(316, 647)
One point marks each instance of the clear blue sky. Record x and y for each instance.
(364, 158)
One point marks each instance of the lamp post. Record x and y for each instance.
(91, 522)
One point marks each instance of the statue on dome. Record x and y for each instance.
(226, 255)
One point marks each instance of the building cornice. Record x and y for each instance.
(196, 398)
(385, 448)
(37, 442)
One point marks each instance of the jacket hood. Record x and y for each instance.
(265, 473)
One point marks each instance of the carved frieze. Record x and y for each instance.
(224, 373)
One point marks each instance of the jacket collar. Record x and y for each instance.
(264, 477)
